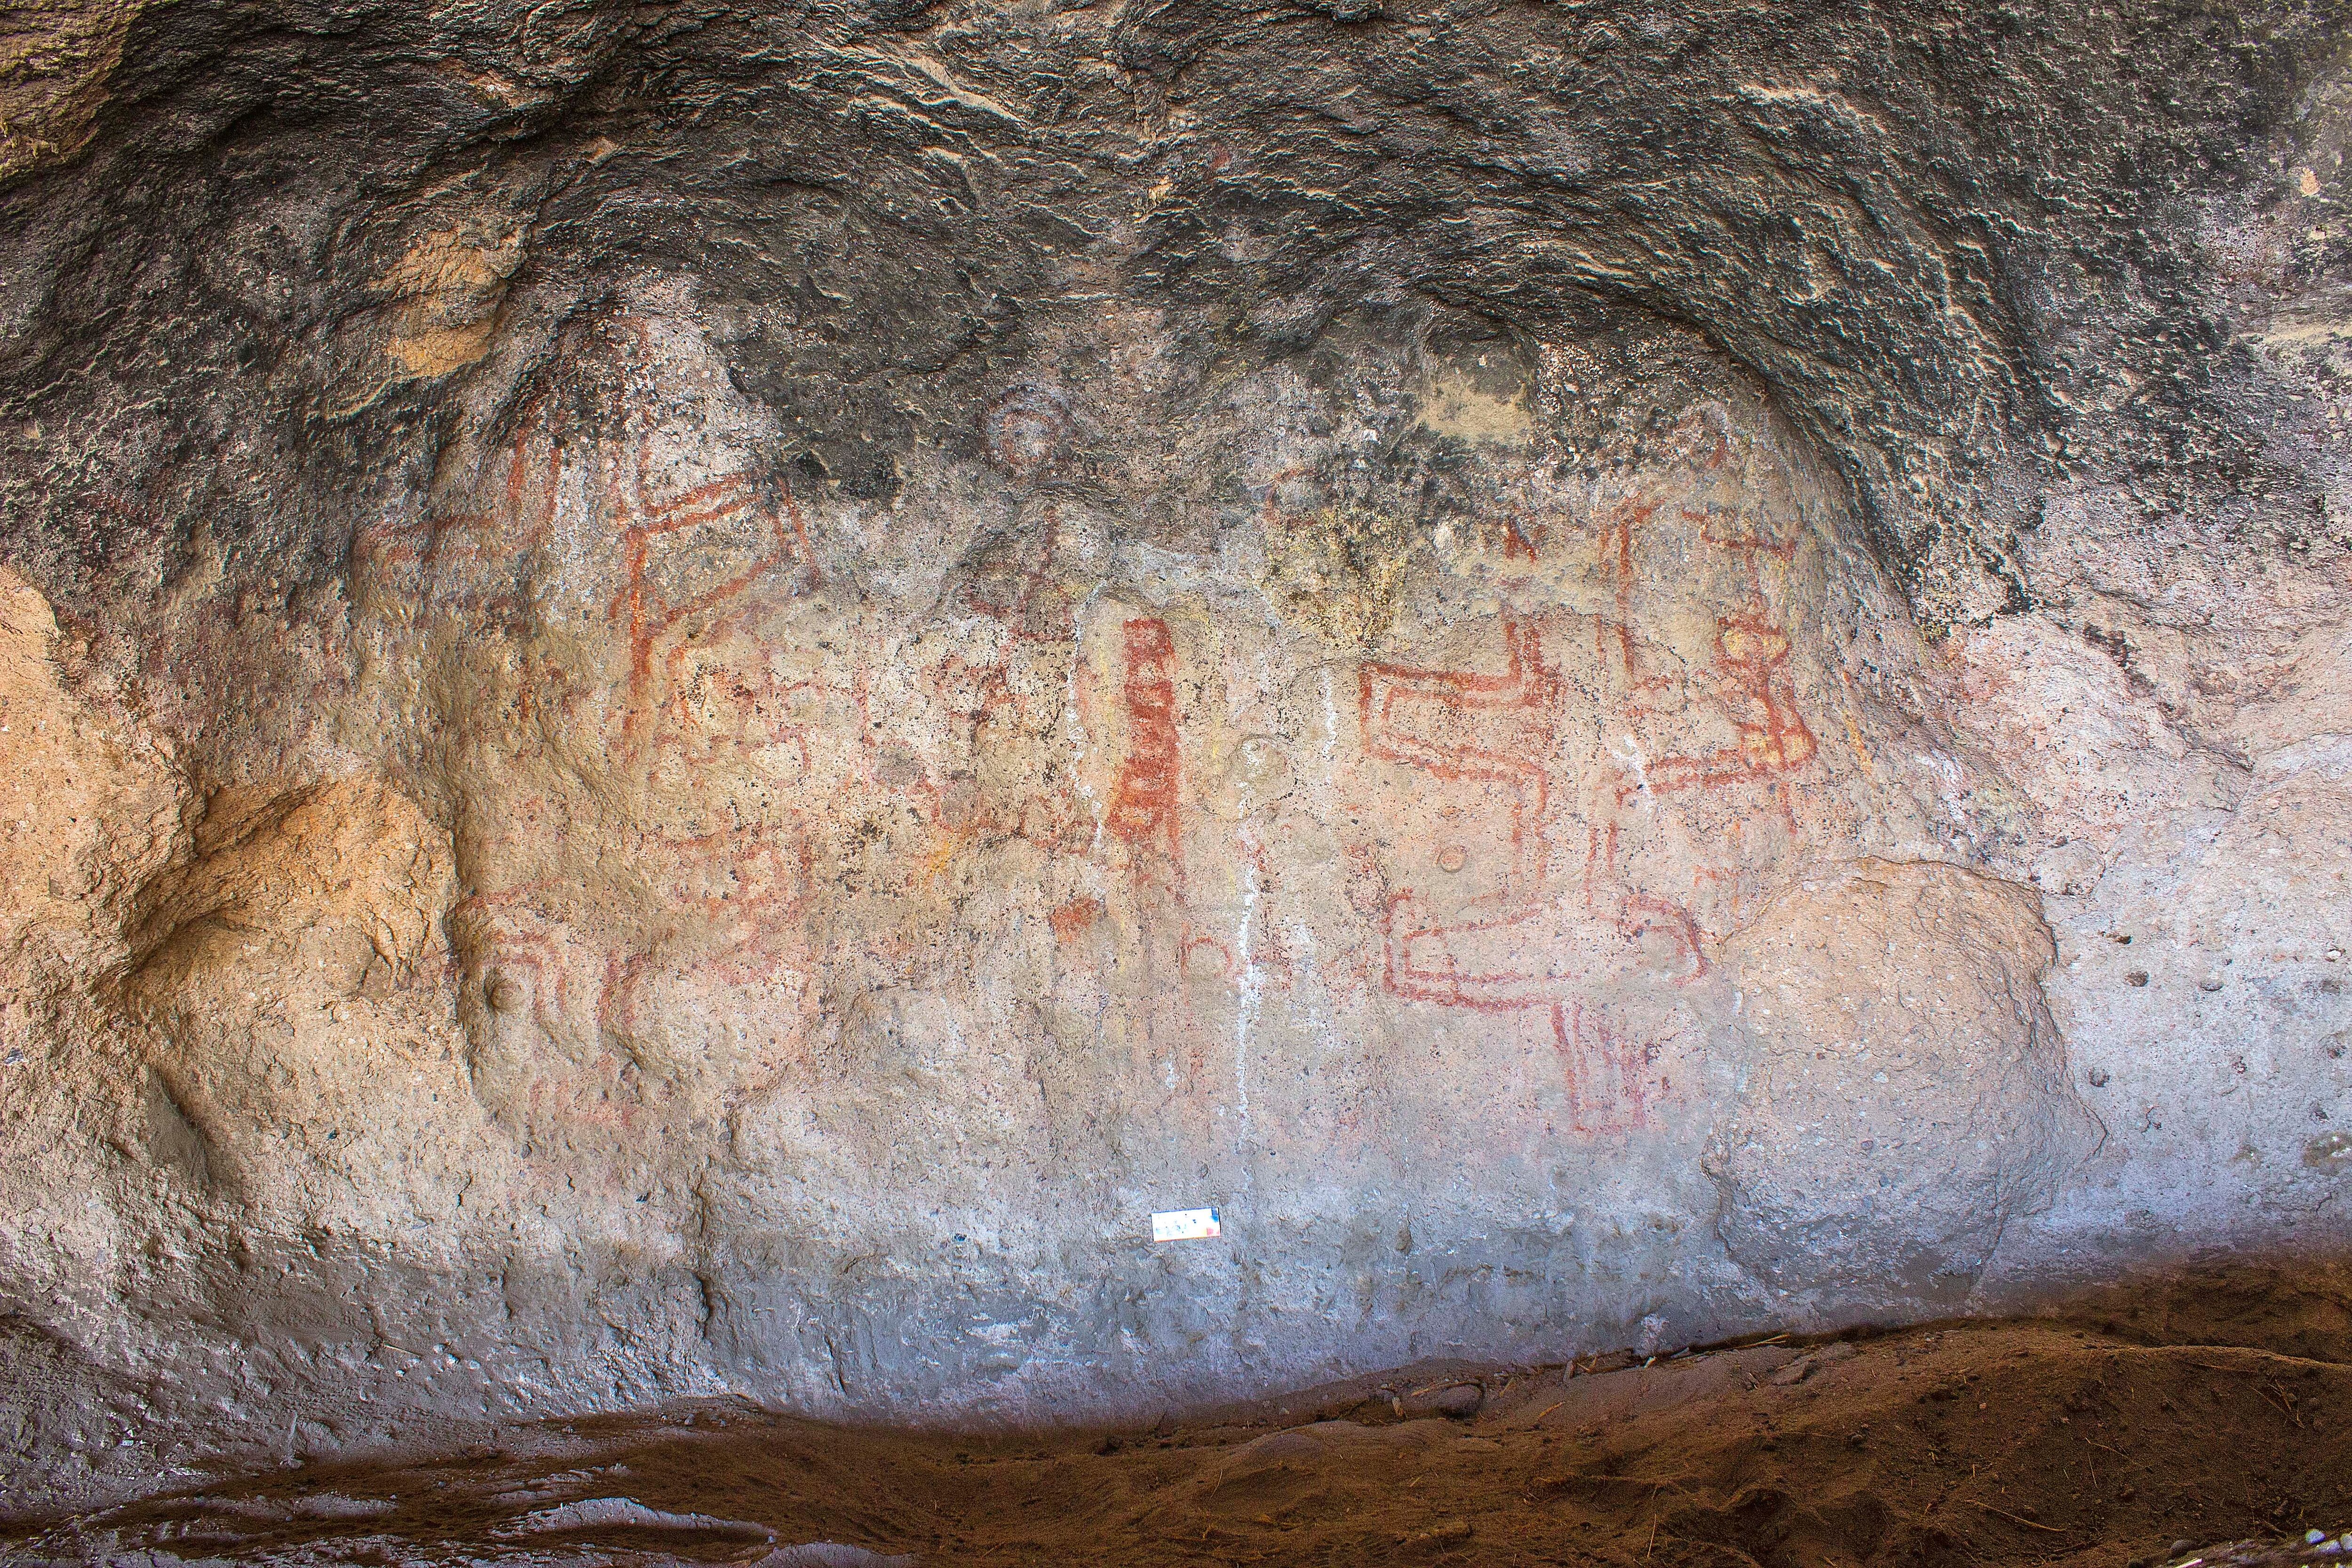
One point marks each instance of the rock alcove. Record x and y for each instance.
(691, 698)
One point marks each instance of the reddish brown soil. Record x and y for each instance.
(2204, 1410)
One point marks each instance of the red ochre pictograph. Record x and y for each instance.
(686, 571)
(1143, 801)
(778, 537)
(720, 699)
(1612, 1081)
(1613, 633)
(749, 889)
(514, 947)
(463, 563)
(1074, 918)
(1750, 656)
(681, 557)
(1013, 584)
(1548, 955)
(1533, 956)
(1746, 676)
(508, 940)
(1463, 724)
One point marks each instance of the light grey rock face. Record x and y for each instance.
(1905, 1098)
(691, 701)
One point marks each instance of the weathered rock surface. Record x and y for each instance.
(690, 700)
(1906, 1098)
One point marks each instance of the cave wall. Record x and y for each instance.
(689, 699)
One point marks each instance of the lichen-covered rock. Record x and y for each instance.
(1904, 1096)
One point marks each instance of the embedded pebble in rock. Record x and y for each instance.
(692, 700)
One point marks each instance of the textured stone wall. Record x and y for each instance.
(633, 764)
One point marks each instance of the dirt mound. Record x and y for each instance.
(2054, 1440)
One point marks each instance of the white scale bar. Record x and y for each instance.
(1185, 1225)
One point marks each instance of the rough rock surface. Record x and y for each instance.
(691, 698)
(1905, 1098)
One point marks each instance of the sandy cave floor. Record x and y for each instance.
(2138, 1424)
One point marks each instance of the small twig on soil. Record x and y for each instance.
(2014, 1519)
(2286, 1410)
(1947, 1494)
(2288, 1404)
